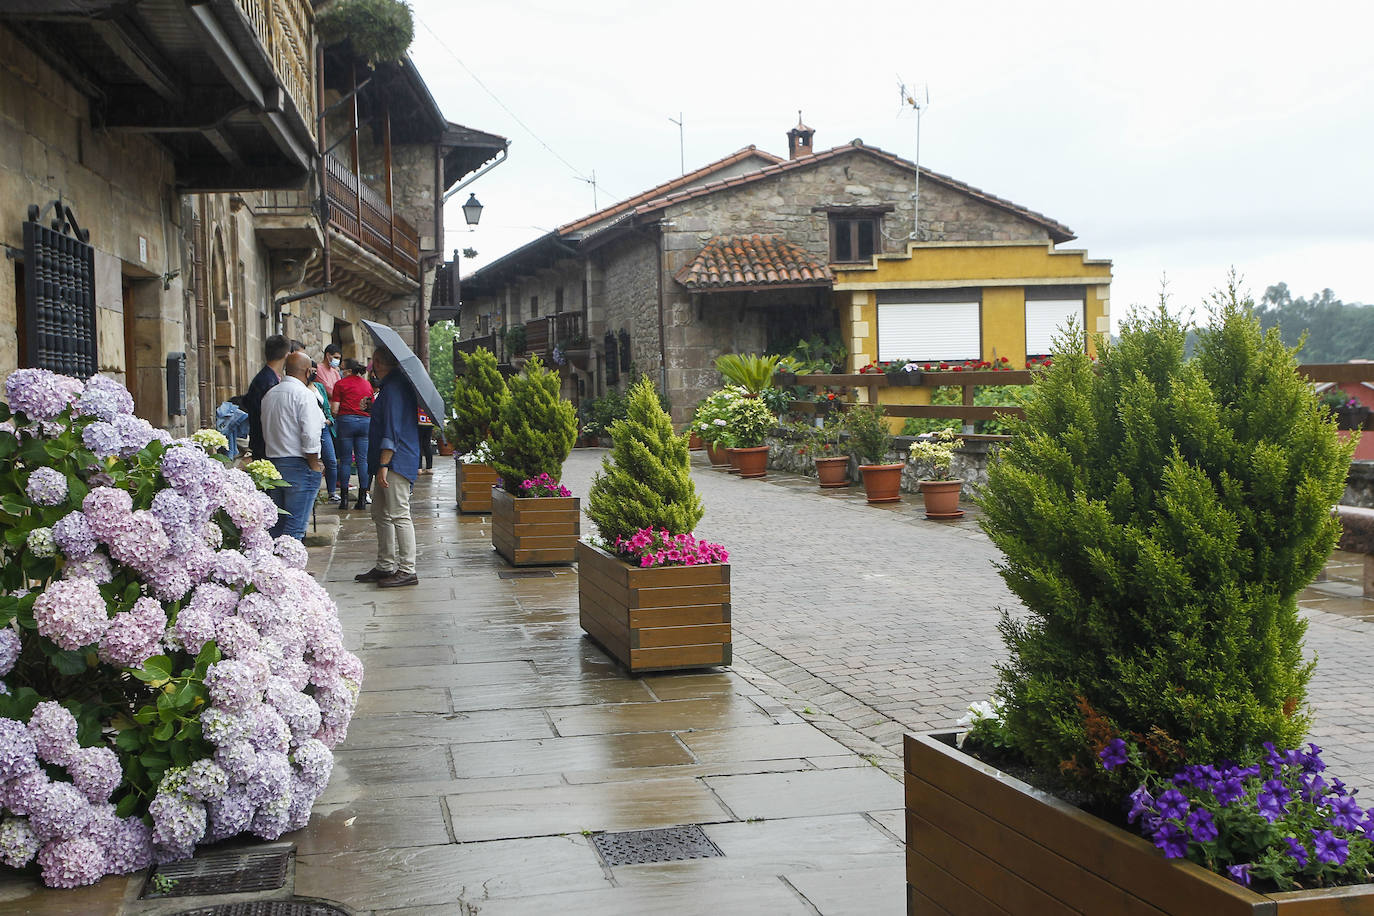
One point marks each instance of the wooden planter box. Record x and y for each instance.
(655, 619)
(474, 487)
(534, 531)
(979, 841)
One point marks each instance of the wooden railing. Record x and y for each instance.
(362, 214)
(543, 334)
(286, 29)
(472, 343)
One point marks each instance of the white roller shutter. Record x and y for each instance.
(1047, 318)
(929, 331)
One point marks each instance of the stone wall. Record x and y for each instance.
(630, 301)
(1359, 485)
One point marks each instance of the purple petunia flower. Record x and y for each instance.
(1113, 755)
(1240, 873)
(1311, 759)
(1297, 851)
(1202, 826)
(1273, 800)
(1172, 804)
(1311, 787)
(1330, 849)
(46, 486)
(71, 612)
(1344, 812)
(1172, 840)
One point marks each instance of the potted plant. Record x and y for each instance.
(709, 423)
(941, 489)
(751, 371)
(652, 594)
(514, 337)
(822, 445)
(477, 395)
(534, 521)
(899, 372)
(1158, 517)
(870, 441)
(747, 422)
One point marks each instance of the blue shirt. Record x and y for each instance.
(393, 425)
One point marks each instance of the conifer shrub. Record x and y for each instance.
(477, 396)
(1158, 519)
(534, 428)
(646, 481)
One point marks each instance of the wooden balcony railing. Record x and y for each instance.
(472, 343)
(363, 215)
(543, 334)
(286, 29)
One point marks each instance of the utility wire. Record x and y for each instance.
(504, 107)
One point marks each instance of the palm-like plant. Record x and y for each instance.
(750, 371)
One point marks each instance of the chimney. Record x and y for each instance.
(799, 139)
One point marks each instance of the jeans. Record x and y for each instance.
(297, 499)
(352, 447)
(331, 465)
(395, 530)
(427, 447)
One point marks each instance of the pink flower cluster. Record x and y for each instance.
(543, 485)
(280, 698)
(648, 547)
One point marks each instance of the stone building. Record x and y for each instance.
(740, 256)
(176, 150)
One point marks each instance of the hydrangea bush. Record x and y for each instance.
(171, 674)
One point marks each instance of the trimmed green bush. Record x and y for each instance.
(646, 481)
(379, 30)
(477, 395)
(869, 438)
(1158, 518)
(534, 429)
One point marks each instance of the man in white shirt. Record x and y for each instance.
(291, 426)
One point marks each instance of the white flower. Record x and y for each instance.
(979, 711)
(718, 421)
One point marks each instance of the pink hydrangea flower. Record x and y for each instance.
(71, 612)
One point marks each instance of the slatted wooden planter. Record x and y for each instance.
(534, 531)
(474, 487)
(655, 619)
(979, 841)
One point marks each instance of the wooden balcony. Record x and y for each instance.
(472, 343)
(363, 215)
(286, 29)
(543, 334)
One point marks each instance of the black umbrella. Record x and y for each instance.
(411, 367)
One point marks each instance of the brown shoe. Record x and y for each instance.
(375, 574)
(398, 579)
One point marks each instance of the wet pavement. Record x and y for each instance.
(493, 741)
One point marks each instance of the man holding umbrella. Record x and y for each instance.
(393, 450)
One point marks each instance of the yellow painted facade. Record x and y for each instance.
(1002, 271)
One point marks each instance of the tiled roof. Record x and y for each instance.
(757, 261)
(1057, 230)
(669, 187)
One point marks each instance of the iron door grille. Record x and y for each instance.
(59, 292)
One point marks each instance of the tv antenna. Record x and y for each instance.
(591, 181)
(910, 99)
(681, 148)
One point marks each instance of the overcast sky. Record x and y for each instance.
(1175, 139)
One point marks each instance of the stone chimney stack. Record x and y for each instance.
(799, 140)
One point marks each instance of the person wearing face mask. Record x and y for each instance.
(331, 465)
(327, 372)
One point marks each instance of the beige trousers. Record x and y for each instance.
(395, 530)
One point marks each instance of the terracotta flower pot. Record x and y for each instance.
(942, 498)
(734, 460)
(833, 472)
(694, 443)
(752, 462)
(882, 482)
(716, 455)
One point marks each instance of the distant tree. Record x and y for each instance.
(441, 362)
(1335, 331)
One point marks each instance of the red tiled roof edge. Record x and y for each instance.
(1058, 231)
(767, 261)
(667, 187)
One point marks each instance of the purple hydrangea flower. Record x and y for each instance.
(40, 394)
(18, 845)
(46, 486)
(187, 469)
(21, 793)
(193, 629)
(235, 637)
(206, 780)
(178, 824)
(105, 399)
(135, 433)
(40, 543)
(221, 726)
(74, 536)
(234, 683)
(314, 763)
(71, 612)
(1240, 873)
(291, 551)
(108, 511)
(96, 772)
(230, 816)
(302, 801)
(169, 579)
(73, 862)
(1330, 849)
(171, 510)
(61, 812)
(1172, 804)
(270, 732)
(1172, 840)
(18, 756)
(133, 636)
(10, 647)
(1297, 851)
(131, 848)
(238, 758)
(214, 599)
(142, 544)
(273, 816)
(271, 777)
(232, 568)
(53, 729)
(95, 566)
(103, 439)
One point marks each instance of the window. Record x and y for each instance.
(927, 328)
(558, 301)
(1047, 318)
(853, 238)
(534, 306)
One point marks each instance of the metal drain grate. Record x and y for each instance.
(671, 844)
(270, 908)
(225, 873)
(525, 573)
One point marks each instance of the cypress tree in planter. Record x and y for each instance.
(532, 435)
(644, 594)
(477, 394)
(1158, 518)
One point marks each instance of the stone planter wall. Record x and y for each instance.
(1359, 485)
(970, 463)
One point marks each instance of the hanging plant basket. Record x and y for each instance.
(379, 31)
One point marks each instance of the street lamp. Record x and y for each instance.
(472, 210)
